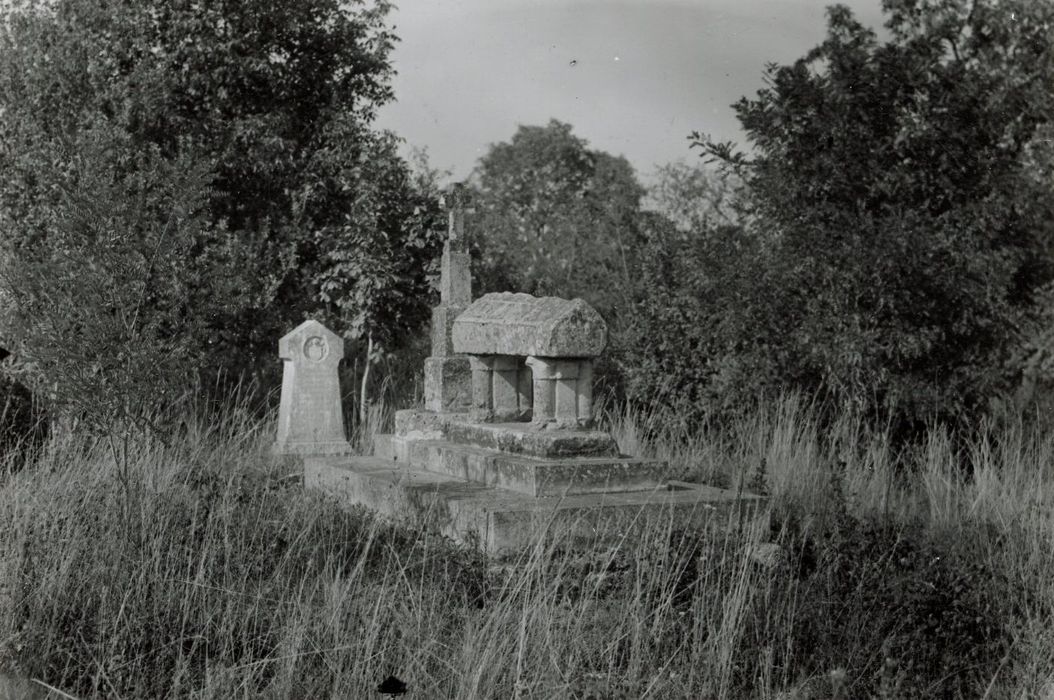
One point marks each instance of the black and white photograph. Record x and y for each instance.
(527, 349)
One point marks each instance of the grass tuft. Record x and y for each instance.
(919, 573)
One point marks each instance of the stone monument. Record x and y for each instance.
(310, 416)
(505, 446)
(447, 387)
(531, 358)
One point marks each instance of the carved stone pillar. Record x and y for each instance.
(543, 372)
(563, 391)
(585, 393)
(482, 387)
(506, 391)
(566, 393)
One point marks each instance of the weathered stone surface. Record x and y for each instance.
(442, 329)
(310, 416)
(534, 476)
(531, 439)
(520, 324)
(455, 282)
(448, 384)
(500, 521)
(454, 200)
(422, 424)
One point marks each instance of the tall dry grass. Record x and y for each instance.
(231, 581)
(985, 499)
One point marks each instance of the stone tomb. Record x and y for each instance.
(310, 417)
(515, 454)
(523, 460)
(531, 358)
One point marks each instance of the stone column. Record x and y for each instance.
(506, 390)
(585, 393)
(525, 390)
(543, 372)
(482, 387)
(566, 376)
(310, 415)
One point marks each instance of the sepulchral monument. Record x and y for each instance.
(310, 417)
(506, 445)
(447, 386)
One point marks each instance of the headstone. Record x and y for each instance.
(310, 416)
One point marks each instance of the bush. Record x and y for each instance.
(895, 233)
(23, 424)
(898, 611)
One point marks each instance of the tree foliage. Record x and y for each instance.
(898, 230)
(696, 197)
(558, 217)
(254, 117)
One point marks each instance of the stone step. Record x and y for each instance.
(501, 521)
(533, 476)
(535, 441)
(539, 477)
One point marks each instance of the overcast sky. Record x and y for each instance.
(634, 77)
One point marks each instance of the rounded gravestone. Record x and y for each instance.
(310, 416)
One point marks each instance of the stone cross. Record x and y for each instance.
(310, 416)
(454, 200)
(447, 375)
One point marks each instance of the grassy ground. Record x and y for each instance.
(203, 570)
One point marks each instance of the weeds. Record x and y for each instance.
(899, 578)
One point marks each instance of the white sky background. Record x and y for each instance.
(646, 73)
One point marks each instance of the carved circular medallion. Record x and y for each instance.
(316, 348)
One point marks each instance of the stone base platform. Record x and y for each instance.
(515, 438)
(525, 474)
(291, 449)
(501, 521)
(500, 486)
(534, 440)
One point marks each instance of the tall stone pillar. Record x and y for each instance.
(310, 415)
(447, 375)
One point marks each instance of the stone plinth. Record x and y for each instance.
(448, 384)
(310, 416)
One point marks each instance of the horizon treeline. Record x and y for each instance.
(186, 181)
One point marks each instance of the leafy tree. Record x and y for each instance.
(902, 234)
(559, 218)
(301, 206)
(103, 312)
(696, 197)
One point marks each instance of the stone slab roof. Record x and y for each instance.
(521, 324)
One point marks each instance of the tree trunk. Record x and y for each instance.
(365, 378)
